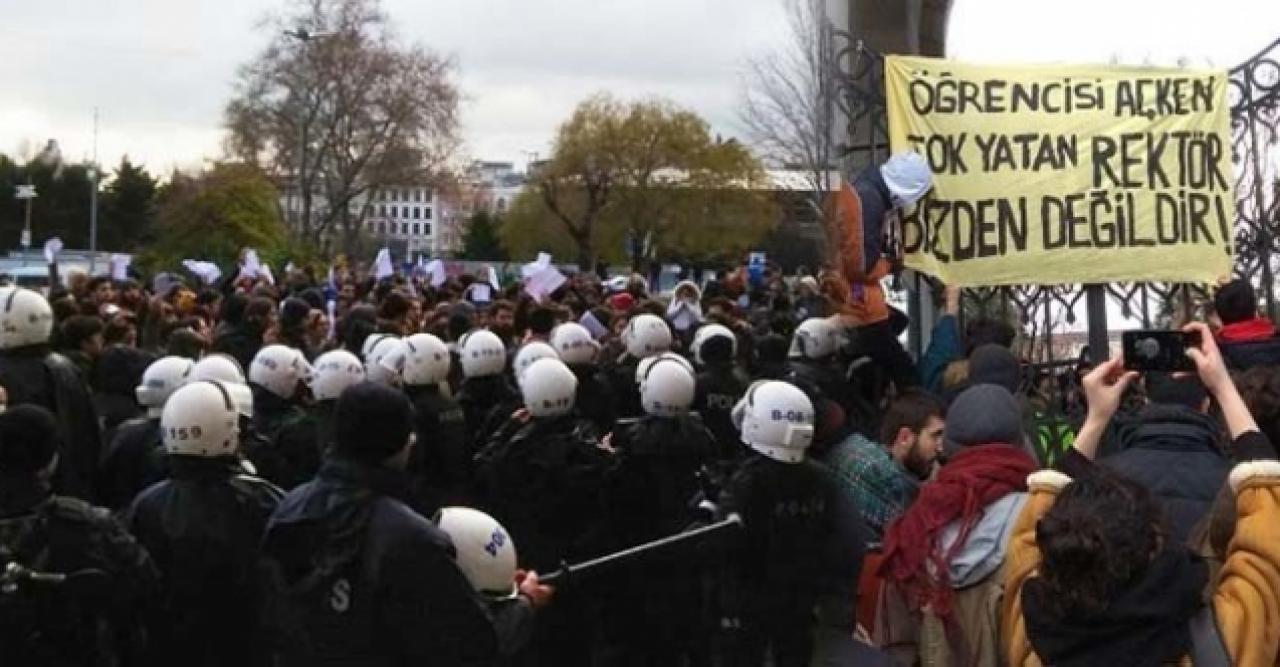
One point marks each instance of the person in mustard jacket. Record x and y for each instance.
(1092, 579)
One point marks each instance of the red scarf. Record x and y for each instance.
(1258, 328)
(971, 480)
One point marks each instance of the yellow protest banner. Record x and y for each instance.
(1065, 174)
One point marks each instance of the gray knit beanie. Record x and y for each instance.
(984, 414)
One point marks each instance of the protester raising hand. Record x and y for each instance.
(1104, 386)
(1212, 370)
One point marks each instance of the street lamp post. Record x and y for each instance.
(95, 176)
(27, 192)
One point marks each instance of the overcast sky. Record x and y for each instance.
(160, 71)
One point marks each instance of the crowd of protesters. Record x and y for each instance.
(222, 474)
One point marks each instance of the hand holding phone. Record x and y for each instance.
(1153, 350)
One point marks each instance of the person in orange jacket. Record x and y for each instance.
(858, 215)
(1091, 579)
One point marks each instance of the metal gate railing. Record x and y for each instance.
(1052, 339)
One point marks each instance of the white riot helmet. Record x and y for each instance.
(530, 353)
(25, 319)
(482, 353)
(642, 368)
(426, 360)
(815, 338)
(667, 387)
(201, 419)
(279, 369)
(775, 419)
(224, 368)
(705, 333)
(369, 341)
(485, 552)
(548, 388)
(335, 371)
(384, 361)
(160, 380)
(574, 343)
(646, 335)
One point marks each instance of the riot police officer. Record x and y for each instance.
(203, 525)
(648, 494)
(802, 542)
(486, 554)
(540, 476)
(440, 466)
(32, 373)
(578, 350)
(335, 370)
(73, 582)
(645, 335)
(136, 458)
(484, 386)
(359, 578)
(720, 384)
(285, 450)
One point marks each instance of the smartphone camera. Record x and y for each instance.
(1157, 351)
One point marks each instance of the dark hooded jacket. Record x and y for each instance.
(37, 376)
(1176, 453)
(357, 578)
(479, 397)
(440, 464)
(541, 480)
(202, 526)
(135, 460)
(284, 449)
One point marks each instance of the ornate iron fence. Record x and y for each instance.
(1053, 339)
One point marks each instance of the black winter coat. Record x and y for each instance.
(135, 460)
(37, 376)
(720, 387)
(360, 579)
(594, 399)
(440, 464)
(96, 621)
(479, 398)
(541, 480)
(203, 526)
(620, 376)
(1176, 453)
(283, 448)
(802, 537)
(237, 341)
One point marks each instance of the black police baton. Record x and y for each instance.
(566, 571)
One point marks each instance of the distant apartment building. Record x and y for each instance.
(411, 220)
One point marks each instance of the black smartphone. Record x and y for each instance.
(1149, 350)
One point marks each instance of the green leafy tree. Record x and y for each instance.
(211, 216)
(481, 239)
(127, 208)
(638, 181)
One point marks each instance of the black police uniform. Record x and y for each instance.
(360, 579)
(135, 460)
(35, 375)
(480, 397)
(655, 609)
(203, 526)
(91, 619)
(283, 449)
(620, 376)
(594, 400)
(440, 463)
(541, 480)
(802, 543)
(720, 386)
